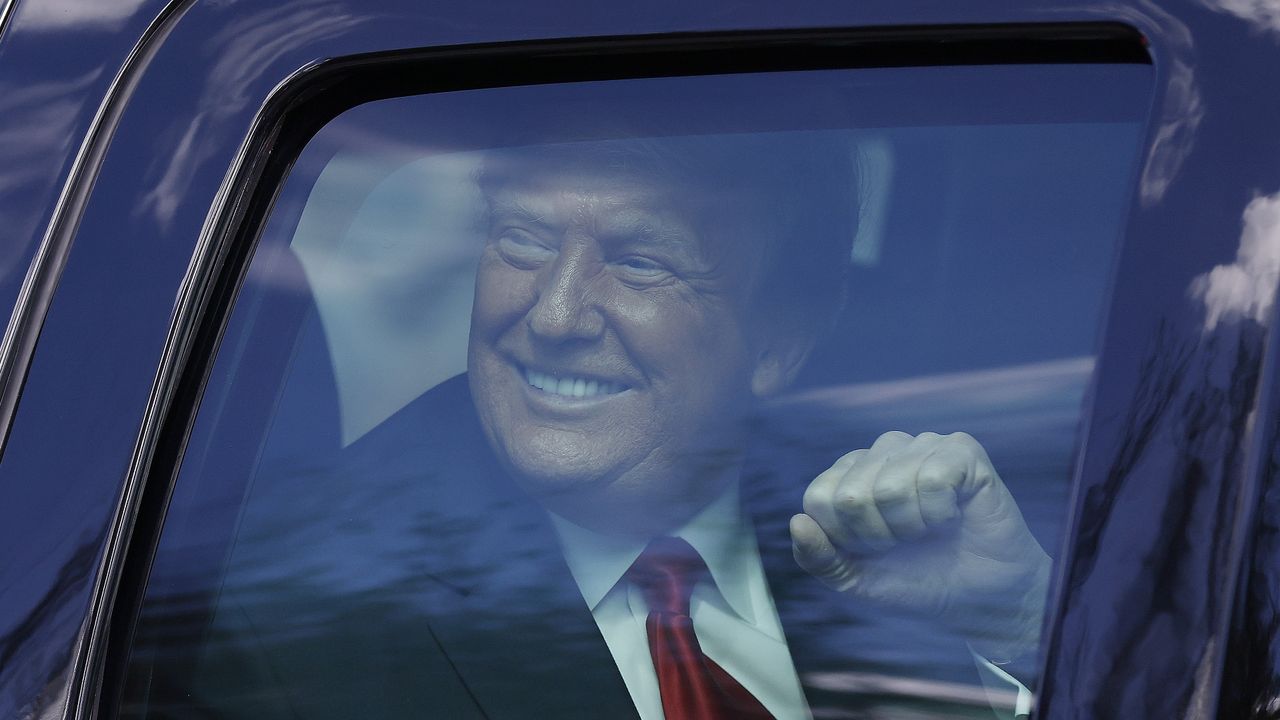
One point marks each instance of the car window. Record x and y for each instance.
(610, 398)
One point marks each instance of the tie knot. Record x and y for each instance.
(666, 572)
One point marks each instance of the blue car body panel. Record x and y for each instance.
(123, 123)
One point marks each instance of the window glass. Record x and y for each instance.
(757, 392)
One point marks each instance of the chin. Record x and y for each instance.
(552, 461)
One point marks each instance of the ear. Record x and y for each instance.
(778, 361)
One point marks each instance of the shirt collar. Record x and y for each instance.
(719, 532)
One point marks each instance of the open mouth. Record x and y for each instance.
(571, 387)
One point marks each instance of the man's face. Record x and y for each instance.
(610, 358)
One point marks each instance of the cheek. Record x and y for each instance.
(695, 346)
(660, 320)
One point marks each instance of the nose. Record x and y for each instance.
(566, 308)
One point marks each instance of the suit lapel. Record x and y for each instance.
(505, 610)
(521, 636)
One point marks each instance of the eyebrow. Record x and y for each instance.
(649, 235)
(519, 211)
(647, 228)
(637, 225)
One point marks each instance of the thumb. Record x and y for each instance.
(815, 553)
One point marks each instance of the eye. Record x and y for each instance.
(522, 248)
(641, 270)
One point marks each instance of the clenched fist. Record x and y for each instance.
(927, 523)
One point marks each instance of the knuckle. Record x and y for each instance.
(891, 492)
(821, 486)
(933, 480)
(986, 475)
(852, 456)
(893, 436)
(846, 461)
(827, 477)
(852, 505)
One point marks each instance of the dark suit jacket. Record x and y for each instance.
(406, 576)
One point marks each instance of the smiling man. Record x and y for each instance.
(635, 299)
(614, 353)
(577, 527)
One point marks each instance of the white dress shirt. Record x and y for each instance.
(735, 620)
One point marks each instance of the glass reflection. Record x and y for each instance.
(1262, 15)
(77, 15)
(1246, 288)
(250, 42)
(43, 118)
(683, 455)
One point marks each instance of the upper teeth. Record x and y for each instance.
(570, 386)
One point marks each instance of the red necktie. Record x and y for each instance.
(692, 685)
